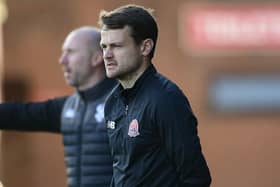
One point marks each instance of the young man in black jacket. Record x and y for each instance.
(152, 129)
(79, 117)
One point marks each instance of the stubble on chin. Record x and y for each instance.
(110, 74)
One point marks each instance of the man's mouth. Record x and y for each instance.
(111, 65)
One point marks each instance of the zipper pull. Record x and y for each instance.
(126, 109)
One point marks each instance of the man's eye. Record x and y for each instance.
(117, 45)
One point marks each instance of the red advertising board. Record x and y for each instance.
(230, 28)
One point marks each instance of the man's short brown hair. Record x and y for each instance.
(140, 20)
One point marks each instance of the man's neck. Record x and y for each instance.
(128, 81)
(91, 83)
(126, 84)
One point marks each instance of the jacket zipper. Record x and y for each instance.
(126, 109)
(79, 180)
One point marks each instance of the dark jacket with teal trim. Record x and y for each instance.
(153, 136)
(80, 119)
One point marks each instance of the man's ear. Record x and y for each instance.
(97, 58)
(147, 46)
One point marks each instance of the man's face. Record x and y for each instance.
(122, 56)
(76, 60)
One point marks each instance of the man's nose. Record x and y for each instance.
(63, 60)
(107, 53)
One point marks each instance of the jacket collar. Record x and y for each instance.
(98, 90)
(128, 93)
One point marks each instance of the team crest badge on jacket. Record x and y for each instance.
(133, 129)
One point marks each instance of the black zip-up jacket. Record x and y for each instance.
(153, 136)
(80, 119)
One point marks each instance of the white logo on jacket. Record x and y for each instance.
(99, 115)
(70, 113)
